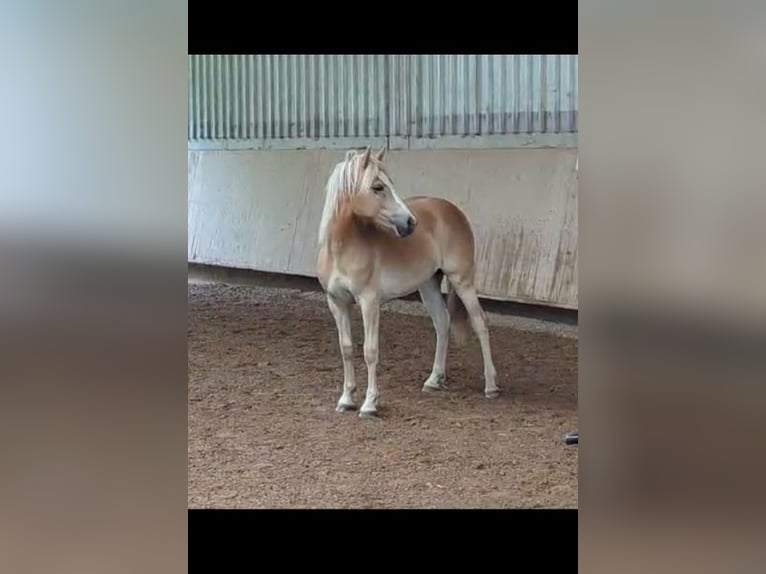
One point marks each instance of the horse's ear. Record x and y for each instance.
(366, 157)
(350, 154)
(381, 154)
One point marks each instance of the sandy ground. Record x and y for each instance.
(265, 373)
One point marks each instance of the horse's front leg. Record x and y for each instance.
(340, 311)
(370, 306)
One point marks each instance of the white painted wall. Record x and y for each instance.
(260, 210)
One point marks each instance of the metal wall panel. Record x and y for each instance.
(282, 97)
(492, 95)
(324, 97)
(260, 211)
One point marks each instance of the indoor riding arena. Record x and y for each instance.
(496, 136)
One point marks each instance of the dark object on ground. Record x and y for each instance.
(572, 438)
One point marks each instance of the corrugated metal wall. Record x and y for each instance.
(272, 97)
(261, 210)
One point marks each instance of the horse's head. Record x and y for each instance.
(375, 199)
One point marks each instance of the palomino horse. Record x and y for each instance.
(374, 247)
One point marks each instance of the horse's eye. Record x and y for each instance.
(378, 189)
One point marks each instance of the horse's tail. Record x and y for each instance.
(459, 324)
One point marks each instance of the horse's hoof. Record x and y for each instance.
(345, 407)
(434, 388)
(369, 415)
(435, 383)
(493, 394)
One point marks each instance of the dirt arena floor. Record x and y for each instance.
(265, 373)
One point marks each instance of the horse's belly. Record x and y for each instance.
(401, 282)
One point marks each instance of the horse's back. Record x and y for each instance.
(438, 208)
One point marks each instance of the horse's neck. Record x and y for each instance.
(340, 230)
(345, 231)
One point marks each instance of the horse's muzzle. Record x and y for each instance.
(406, 227)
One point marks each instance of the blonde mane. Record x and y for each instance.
(345, 181)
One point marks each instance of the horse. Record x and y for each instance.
(374, 247)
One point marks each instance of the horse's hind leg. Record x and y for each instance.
(431, 295)
(467, 294)
(340, 311)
